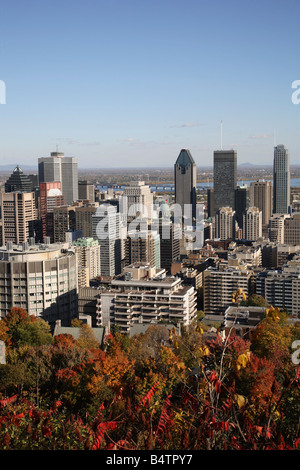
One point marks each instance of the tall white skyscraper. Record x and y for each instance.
(57, 167)
(281, 180)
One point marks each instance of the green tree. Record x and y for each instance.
(19, 328)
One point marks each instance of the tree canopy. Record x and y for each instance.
(158, 390)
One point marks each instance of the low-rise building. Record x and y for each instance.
(220, 282)
(281, 287)
(145, 294)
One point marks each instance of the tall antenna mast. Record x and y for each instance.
(274, 138)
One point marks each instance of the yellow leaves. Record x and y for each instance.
(239, 400)
(242, 360)
(204, 350)
(238, 296)
(199, 329)
(273, 313)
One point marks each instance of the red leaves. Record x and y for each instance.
(8, 401)
(102, 428)
(214, 379)
(149, 395)
(66, 374)
(164, 419)
(297, 443)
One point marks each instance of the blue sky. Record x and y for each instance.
(123, 83)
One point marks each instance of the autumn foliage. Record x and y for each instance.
(155, 391)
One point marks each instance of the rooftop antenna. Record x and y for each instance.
(221, 130)
(274, 133)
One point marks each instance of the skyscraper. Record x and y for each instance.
(225, 223)
(139, 200)
(185, 175)
(225, 178)
(18, 182)
(169, 245)
(57, 167)
(261, 196)
(17, 212)
(241, 203)
(88, 260)
(252, 224)
(106, 229)
(142, 247)
(63, 222)
(281, 180)
(86, 191)
(50, 197)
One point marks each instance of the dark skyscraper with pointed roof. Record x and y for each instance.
(18, 182)
(185, 175)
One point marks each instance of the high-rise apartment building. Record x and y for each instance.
(225, 223)
(220, 283)
(261, 196)
(225, 178)
(252, 224)
(106, 229)
(57, 167)
(88, 260)
(185, 177)
(276, 227)
(281, 180)
(18, 210)
(41, 279)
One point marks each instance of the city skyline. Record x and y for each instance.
(127, 83)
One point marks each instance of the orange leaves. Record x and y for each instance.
(110, 371)
(64, 341)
